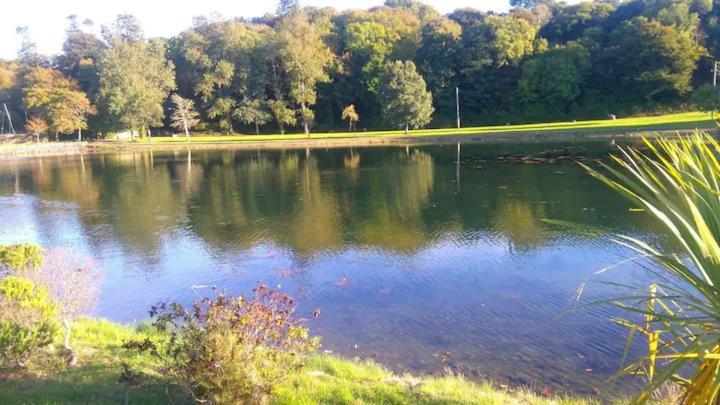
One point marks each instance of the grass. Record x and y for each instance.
(667, 122)
(327, 379)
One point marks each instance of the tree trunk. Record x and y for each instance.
(72, 358)
(57, 136)
(79, 135)
(350, 129)
(407, 129)
(187, 131)
(257, 128)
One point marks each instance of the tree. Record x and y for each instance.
(37, 127)
(57, 100)
(135, 81)
(283, 114)
(437, 61)
(184, 116)
(553, 80)
(286, 7)
(647, 61)
(252, 112)
(404, 97)
(73, 281)
(305, 59)
(706, 98)
(350, 115)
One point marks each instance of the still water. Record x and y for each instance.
(409, 258)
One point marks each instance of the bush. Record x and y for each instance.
(231, 350)
(27, 320)
(20, 258)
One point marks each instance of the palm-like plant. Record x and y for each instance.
(677, 182)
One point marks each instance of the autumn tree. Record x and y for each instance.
(350, 115)
(37, 127)
(184, 116)
(135, 80)
(404, 97)
(57, 100)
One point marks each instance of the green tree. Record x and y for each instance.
(252, 112)
(706, 98)
(647, 61)
(350, 115)
(135, 81)
(305, 59)
(404, 97)
(552, 81)
(283, 114)
(437, 61)
(184, 116)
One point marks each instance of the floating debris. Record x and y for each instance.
(562, 155)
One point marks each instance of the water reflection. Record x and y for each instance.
(413, 259)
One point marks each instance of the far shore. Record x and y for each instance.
(649, 127)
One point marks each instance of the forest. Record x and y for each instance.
(400, 65)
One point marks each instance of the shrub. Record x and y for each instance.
(230, 350)
(27, 320)
(20, 258)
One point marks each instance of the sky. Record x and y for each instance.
(46, 19)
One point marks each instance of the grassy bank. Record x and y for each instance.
(326, 379)
(683, 121)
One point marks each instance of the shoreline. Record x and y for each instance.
(70, 148)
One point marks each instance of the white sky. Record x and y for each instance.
(46, 18)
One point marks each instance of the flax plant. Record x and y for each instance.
(677, 181)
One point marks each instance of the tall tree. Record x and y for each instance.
(644, 60)
(404, 96)
(437, 61)
(305, 59)
(135, 81)
(286, 7)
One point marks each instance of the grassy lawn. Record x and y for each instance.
(654, 123)
(325, 380)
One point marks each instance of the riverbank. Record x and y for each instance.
(656, 126)
(326, 379)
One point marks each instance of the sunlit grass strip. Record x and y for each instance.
(663, 122)
(678, 182)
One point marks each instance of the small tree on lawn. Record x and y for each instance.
(251, 111)
(350, 115)
(404, 97)
(37, 127)
(73, 281)
(184, 116)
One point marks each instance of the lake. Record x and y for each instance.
(408, 257)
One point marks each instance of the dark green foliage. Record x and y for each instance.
(706, 98)
(404, 97)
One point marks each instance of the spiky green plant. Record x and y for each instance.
(677, 181)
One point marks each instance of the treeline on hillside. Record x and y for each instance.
(393, 66)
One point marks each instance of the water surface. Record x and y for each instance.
(410, 258)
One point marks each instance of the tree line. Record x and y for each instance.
(399, 66)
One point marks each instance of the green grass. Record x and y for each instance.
(691, 120)
(326, 379)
